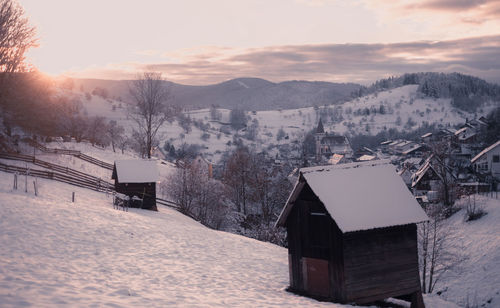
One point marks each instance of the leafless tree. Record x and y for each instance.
(96, 131)
(198, 195)
(442, 164)
(238, 177)
(16, 37)
(115, 133)
(150, 109)
(270, 189)
(438, 251)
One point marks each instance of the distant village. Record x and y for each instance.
(447, 162)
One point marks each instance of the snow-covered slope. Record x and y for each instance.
(400, 108)
(476, 280)
(56, 253)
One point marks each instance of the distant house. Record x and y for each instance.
(328, 144)
(426, 179)
(337, 159)
(137, 177)
(352, 234)
(488, 161)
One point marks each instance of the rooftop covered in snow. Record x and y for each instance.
(491, 147)
(135, 171)
(359, 196)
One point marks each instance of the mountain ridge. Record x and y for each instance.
(239, 93)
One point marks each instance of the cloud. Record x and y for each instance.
(362, 63)
(469, 11)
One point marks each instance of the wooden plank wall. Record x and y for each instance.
(381, 263)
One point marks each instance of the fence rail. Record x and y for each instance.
(65, 175)
(74, 153)
(51, 175)
(64, 170)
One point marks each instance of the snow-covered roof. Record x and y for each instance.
(136, 171)
(335, 159)
(413, 148)
(366, 157)
(426, 135)
(463, 129)
(491, 147)
(359, 196)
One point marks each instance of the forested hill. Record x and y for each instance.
(241, 93)
(467, 92)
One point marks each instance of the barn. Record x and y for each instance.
(352, 234)
(137, 177)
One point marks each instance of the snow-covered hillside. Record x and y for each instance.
(399, 108)
(58, 253)
(476, 280)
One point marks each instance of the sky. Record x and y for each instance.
(204, 42)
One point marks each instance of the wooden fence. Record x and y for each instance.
(60, 169)
(64, 174)
(74, 153)
(56, 176)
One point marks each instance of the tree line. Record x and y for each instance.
(467, 92)
(246, 196)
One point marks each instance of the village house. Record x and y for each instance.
(487, 162)
(137, 178)
(352, 234)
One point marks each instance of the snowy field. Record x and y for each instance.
(56, 253)
(87, 254)
(476, 281)
(403, 107)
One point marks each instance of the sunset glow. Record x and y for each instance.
(201, 42)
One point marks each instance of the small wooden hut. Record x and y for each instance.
(352, 234)
(137, 177)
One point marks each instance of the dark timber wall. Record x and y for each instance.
(381, 263)
(148, 190)
(359, 267)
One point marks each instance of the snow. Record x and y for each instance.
(58, 253)
(404, 103)
(136, 171)
(362, 196)
(476, 280)
(366, 157)
(491, 147)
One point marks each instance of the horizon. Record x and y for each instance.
(200, 43)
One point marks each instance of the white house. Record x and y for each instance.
(488, 161)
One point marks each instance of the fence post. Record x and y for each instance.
(34, 187)
(26, 180)
(15, 181)
(73, 197)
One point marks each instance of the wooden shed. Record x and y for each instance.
(137, 177)
(352, 234)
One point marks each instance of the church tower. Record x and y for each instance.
(318, 136)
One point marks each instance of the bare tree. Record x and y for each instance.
(115, 133)
(150, 109)
(16, 37)
(437, 251)
(238, 177)
(198, 195)
(96, 131)
(442, 164)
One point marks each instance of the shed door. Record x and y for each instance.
(315, 267)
